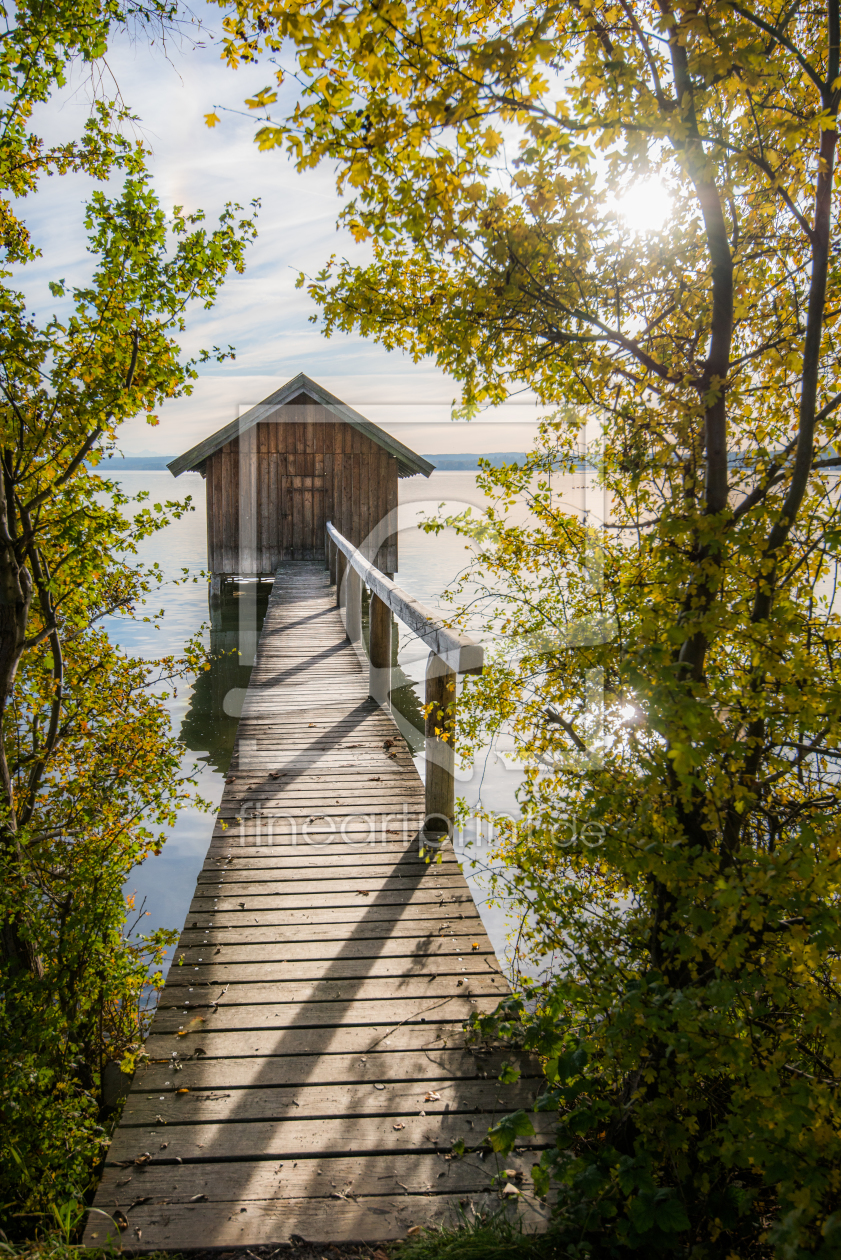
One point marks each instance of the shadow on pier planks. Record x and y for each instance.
(307, 1069)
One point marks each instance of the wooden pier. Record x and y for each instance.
(307, 1072)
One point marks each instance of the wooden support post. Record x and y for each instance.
(379, 651)
(440, 752)
(353, 608)
(215, 588)
(341, 565)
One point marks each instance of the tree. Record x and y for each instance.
(40, 45)
(89, 767)
(692, 1032)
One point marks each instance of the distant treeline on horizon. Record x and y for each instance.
(466, 462)
(443, 463)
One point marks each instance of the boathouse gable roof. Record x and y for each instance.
(301, 391)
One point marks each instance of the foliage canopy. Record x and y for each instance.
(692, 1029)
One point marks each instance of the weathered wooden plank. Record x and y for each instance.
(274, 1015)
(229, 516)
(336, 1069)
(306, 881)
(321, 902)
(360, 1175)
(409, 992)
(302, 861)
(291, 1139)
(387, 923)
(347, 485)
(212, 513)
(325, 1001)
(303, 1101)
(308, 522)
(323, 1041)
(282, 1220)
(359, 884)
(431, 951)
(375, 511)
(235, 974)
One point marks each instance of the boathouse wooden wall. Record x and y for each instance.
(271, 491)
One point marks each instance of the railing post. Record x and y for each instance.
(341, 565)
(379, 651)
(440, 751)
(353, 607)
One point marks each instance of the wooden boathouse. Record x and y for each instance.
(295, 461)
(310, 1072)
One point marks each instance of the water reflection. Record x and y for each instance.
(236, 618)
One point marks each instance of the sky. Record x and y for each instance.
(261, 312)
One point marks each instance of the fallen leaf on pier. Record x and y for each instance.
(375, 778)
(361, 893)
(120, 1220)
(143, 1158)
(199, 1198)
(310, 723)
(163, 1146)
(191, 1027)
(231, 779)
(379, 1086)
(183, 1090)
(137, 1202)
(399, 1125)
(414, 1229)
(432, 1096)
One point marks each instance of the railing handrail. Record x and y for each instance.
(461, 653)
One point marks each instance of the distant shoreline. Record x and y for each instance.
(443, 463)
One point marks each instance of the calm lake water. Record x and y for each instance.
(428, 564)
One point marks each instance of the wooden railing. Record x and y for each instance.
(450, 653)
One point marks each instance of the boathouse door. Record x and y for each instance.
(302, 518)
